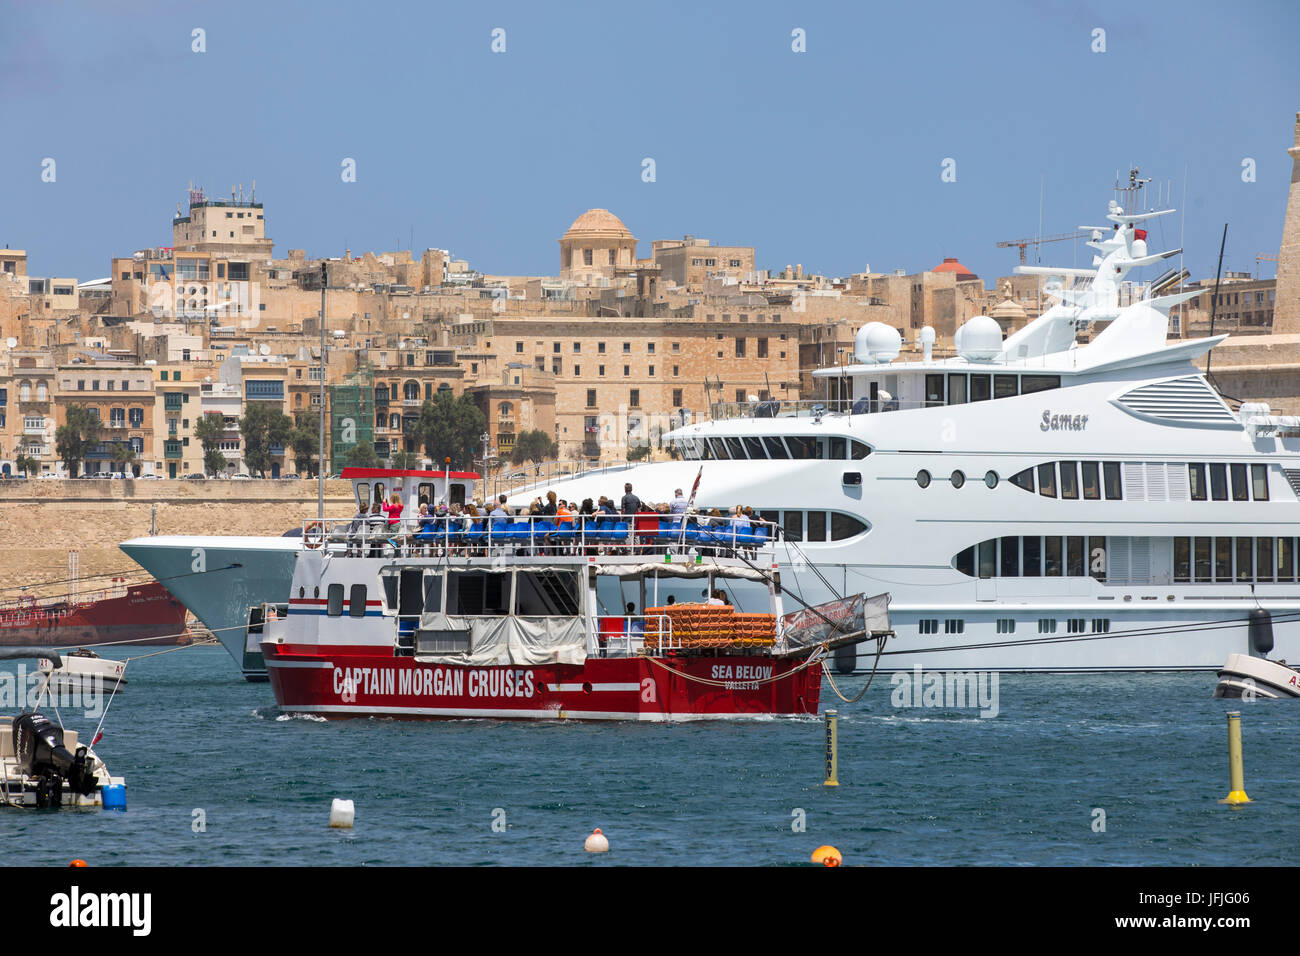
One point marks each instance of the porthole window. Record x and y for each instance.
(923, 478)
(958, 479)
(316, 592)
(991, 479)
(302, 592)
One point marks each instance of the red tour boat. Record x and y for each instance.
(527, 618)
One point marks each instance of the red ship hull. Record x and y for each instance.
(145, 614)
(355, 682)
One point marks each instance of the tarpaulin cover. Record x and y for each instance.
(511, 640)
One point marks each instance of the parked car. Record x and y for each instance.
(241, 477)
(293, 475)
(197, 475)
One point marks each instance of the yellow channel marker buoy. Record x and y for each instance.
(596, 843)
(1236, 775)
(827, 856)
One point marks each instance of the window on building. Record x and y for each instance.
(634, 398)
(591, 398)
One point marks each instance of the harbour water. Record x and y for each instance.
(216, 777)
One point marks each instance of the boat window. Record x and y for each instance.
(965, 561)
(357, 601)
(1069, 479)
(934, 390)
(1052, 556)
(845, 526)
(1047, 480)
(816, 526)
(988, 557)
(1263, 559)
(771, 517)
(1196, 482)
(775, 447)
(478, 592)
(1010, 566)
(754, 447)
(804, 446)
(1074, 556)
(1023, 479)
(1219, 482)
(858, 449)
(793, 525)
(1097, 558)
(1038, 383)
(1240, 491)
(390, 590)
(1285, 559)
(425, 494)
(1202, 558)
(334, 600)
(1259, 482)
(956, 389)
(1091, 480)
(705, 449)
(923, 478)
(1222, 559)
(363, 495)
(1244, 554)
(979, 388)
(1006, 386)
(736, 449)
(379, 498)
(838, 448)
(546, 593)
(1111, 481)
(1182, 560)
(433, 592)
(719, 449)
(1033, 565)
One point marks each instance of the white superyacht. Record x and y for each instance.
(1031, 504)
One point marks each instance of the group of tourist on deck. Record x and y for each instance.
(553, 525)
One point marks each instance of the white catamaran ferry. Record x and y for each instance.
(1031, 504)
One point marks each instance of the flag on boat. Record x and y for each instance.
(690, 502)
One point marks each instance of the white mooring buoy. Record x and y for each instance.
(596, 843)
(342, 813)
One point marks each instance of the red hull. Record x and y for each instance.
(146, 614)
(354, 682)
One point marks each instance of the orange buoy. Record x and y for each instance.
(596, 843)
(78, 863)
(827, 856)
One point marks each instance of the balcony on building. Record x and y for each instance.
(172, 449)
(172, 401)
(263, 390)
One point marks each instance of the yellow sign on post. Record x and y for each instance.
(832, 749)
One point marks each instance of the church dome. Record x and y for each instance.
(598, 222)
(952, 265)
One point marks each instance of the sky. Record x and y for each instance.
(833, 157)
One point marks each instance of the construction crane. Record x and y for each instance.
(1022, 243)
(1263, 257)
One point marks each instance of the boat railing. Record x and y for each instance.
(624, 635)
(811, 408)
(650, 534)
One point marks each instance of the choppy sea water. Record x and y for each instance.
(917, 786)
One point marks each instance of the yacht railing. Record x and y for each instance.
(624, 635)
(650, 534)
(810, 408)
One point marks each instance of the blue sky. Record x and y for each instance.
(830, 158)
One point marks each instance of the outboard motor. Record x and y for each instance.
(38, 745)
(1261, 632)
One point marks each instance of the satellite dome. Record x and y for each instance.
(979, 339)
(877, 342)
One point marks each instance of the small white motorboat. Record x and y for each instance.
(43, 764)
(1246, 677)
(83, 669)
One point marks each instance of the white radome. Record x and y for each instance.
(877, 342)
(979, 339)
